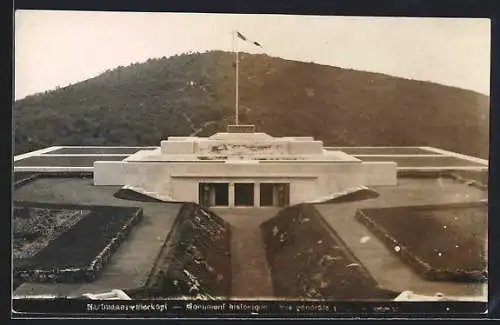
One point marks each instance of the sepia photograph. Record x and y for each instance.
(249, 164)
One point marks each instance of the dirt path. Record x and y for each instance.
(251, 274)
(250, 271)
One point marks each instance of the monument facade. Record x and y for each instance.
(242, 168)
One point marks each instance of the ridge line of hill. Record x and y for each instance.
(142, 103)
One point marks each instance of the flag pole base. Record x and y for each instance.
(241, 128)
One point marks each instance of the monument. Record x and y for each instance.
(241, 168)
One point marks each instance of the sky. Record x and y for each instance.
(57, 48)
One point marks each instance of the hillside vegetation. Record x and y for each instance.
(193, 94)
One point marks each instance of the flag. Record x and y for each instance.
(243, 38)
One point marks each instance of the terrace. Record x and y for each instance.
(61, 158)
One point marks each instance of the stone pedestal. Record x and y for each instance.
(241, 128)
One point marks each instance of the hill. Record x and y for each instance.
(193, 94)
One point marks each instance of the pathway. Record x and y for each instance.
(251, 273)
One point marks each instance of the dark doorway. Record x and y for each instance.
(213, 194)
(221, 194)
(266, 194)
(243, 194)
(274, 194)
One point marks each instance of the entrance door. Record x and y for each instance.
(221, 194)
(266, 194)
(213, 194)
(274, 194)
(243, 194)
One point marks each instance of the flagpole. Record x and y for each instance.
(236, 51)
(237, 78)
